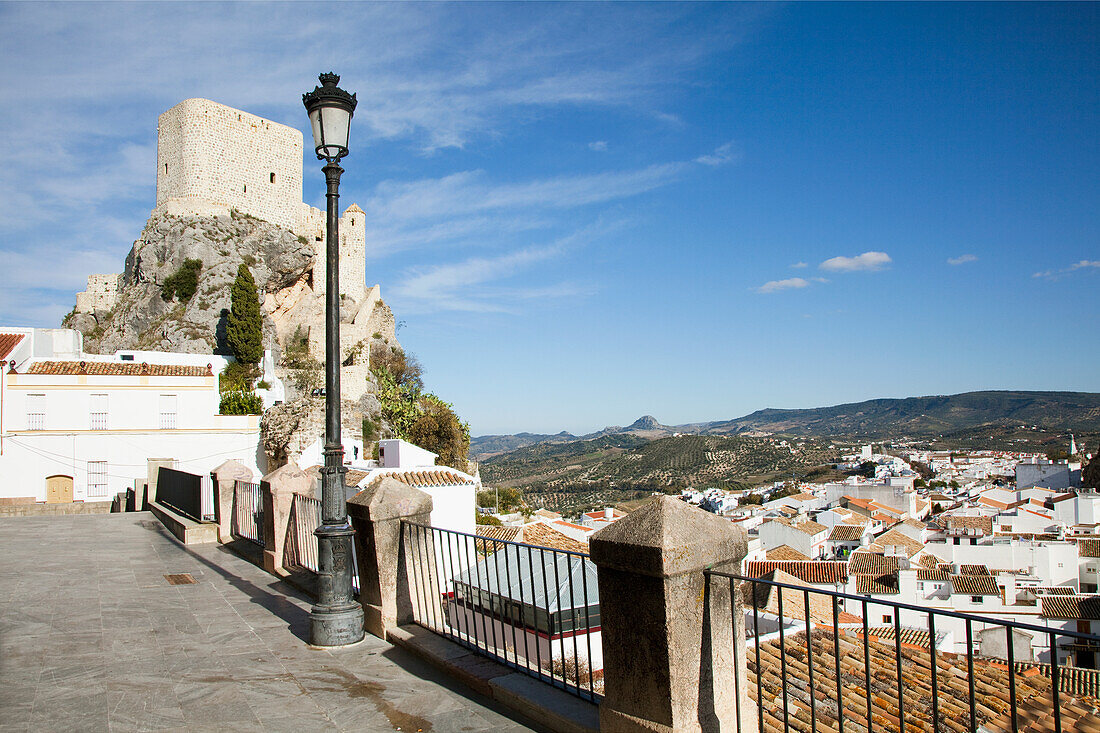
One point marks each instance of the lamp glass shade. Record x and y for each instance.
(331, 125)
(315, 124)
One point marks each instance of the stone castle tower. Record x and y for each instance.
(212, 158)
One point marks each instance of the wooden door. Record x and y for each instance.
(59, 490)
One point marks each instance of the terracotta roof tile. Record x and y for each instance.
(809, 571)
(974, 570)
(984, 525)
(1082, 607)
(933, 574)
(492, 532)
(1088, 548)
(426, 478)
(846, 533)
(895, 538)
(8, 342)
(543, 535)
(877, 585)
(785, 552)
(974, 585)
(117, 368)
(868, 562)
(994, 713)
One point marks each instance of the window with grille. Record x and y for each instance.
(97, 409)
(97, 479)
(36, 412)
(168, 412)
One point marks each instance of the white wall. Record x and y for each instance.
(1055, 563)
(28, 458)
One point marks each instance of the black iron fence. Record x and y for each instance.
(180, 491)
(820, 660)
(248, 512)
(535, 609)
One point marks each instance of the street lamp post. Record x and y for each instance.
(336, 619)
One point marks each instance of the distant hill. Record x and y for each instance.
(882, 419)
(922, 417)
(622, 467)
(483, 446)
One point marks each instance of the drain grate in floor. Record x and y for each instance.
(180, 579)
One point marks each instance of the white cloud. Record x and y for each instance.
(788, 284)
(866, 262)
(470, 285)
(1079, 265)
(962, 259)
(799, 265)
(599, 146)
(722, 154)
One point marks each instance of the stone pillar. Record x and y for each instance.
(278, 489)
(385, 554)
(153, 466)
(224, 478)
(674, 661)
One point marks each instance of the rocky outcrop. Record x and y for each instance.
(285, 267)
(143, 319)
(289, 428)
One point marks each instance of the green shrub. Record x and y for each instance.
(488, 519)
(183, 282)
(241, 403)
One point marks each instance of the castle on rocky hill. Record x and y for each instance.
(216, 163)
(213, 159)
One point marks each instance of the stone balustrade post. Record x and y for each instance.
(224, 479)
(278, 489)
(673, 640)
(386, 555)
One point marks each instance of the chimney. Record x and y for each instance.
(608, 513)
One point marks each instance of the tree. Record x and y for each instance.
(439, 430)
(1090, 474)
(244, 329)
(866, 469)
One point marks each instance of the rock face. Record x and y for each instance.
(143, 319)
(285, 267)
(289, 428)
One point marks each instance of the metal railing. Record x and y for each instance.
(815, 662)
(534, 609)
(181, 491)
(301, 544)
(305, 517)
(248, 512)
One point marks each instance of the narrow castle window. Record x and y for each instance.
(246, 188)
(273, 178)
(165, 169)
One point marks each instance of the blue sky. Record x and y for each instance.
(584, 213)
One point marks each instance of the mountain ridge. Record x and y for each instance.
(876, 419)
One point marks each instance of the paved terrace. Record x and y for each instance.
(93, 637)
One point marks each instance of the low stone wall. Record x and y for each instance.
(39, 510)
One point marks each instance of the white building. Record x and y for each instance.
(82, 427)
(806, 537)
(453, 492)
(1048, 474)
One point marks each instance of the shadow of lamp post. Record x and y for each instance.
(337, 618)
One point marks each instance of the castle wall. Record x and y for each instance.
(101, 294)
(211, 158)
(353, 257)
